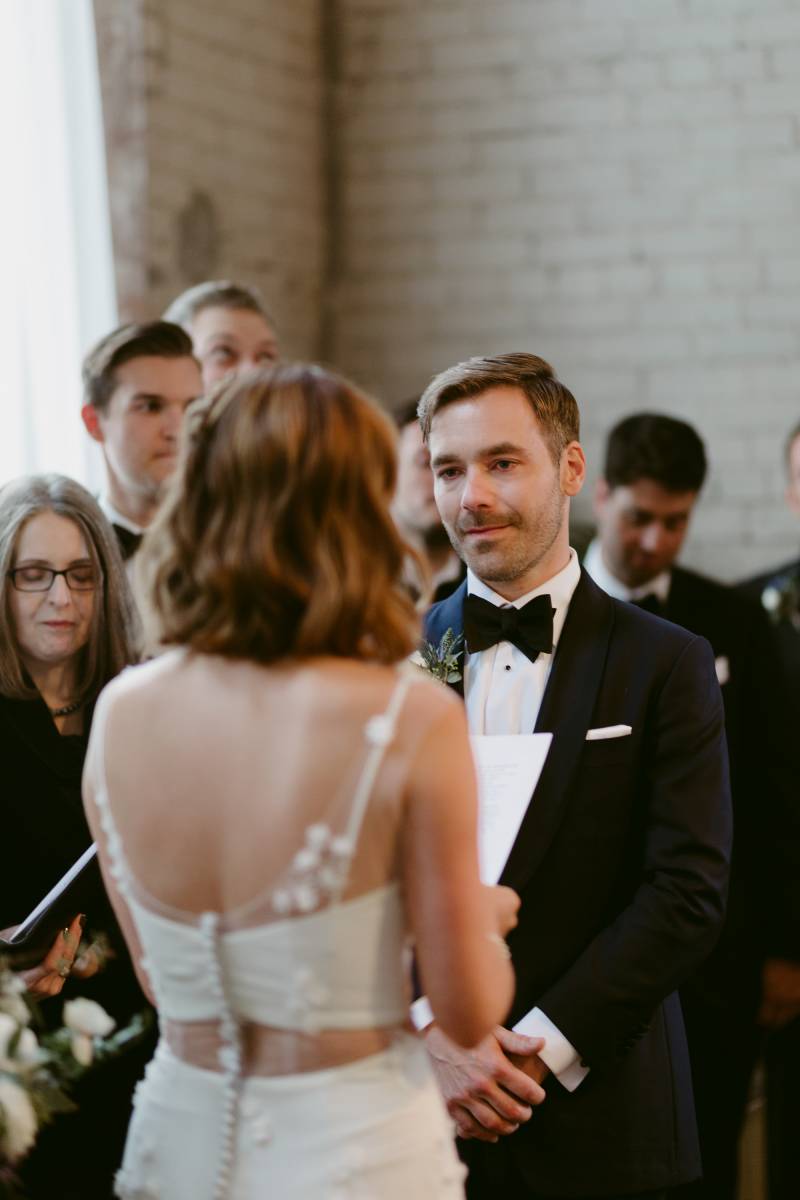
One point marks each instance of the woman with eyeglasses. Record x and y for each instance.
(66, 628)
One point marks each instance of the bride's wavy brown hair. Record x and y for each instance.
(275, 540)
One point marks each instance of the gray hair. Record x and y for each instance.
(112, 633)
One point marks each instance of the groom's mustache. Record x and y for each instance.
(487, 521)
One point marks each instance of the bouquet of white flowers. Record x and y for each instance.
(36, 1073)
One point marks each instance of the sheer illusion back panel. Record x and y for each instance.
(231, 764)
(245, 804)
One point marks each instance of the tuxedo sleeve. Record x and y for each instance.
(606, 999)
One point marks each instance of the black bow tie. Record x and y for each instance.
(129, 541)
(529, 628)
(650, 603)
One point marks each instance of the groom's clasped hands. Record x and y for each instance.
(492, 1088)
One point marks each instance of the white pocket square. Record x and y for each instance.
(608, 731)
(723, 669)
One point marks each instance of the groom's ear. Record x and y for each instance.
(572, 469)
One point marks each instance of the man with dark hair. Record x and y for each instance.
(138, 382)
(778, 591)
(415, 512)
(621, 859)
(229, 326)
(654, 469)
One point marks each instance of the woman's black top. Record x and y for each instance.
(44, 831)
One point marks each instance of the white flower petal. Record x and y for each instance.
(81, 1048)
(86, 1016)
(19, 1120)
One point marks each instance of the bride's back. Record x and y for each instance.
(221, 767)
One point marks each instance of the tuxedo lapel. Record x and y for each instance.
(448, 614)
(566, 712)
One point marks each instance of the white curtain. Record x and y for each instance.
(56, 265)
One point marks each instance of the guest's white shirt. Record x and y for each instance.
(594, 566)
(116, 517)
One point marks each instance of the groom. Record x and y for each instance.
(622, 857)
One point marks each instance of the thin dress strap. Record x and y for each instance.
(117, 863)
(379, 733)
(319, 871)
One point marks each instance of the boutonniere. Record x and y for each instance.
(781, 599)
(442, 661)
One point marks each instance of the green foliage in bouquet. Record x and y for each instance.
(36, 1074)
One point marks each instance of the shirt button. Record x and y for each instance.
(508, 666)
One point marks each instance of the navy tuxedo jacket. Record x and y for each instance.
(622, 864)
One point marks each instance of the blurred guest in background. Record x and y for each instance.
(229, 327)
(138, 382)
(654, 469)
(440, 570)
(779, 592)
(66, 628)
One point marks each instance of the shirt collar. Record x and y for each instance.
(116, 517)
(560, 589)
(596, 567)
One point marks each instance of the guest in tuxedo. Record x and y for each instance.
(654, 469)
(440, 570)
(621, 859)
(230, 328)
(778, 591)
(138, 382)
(66, 628)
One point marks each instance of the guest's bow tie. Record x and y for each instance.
(650, 603)
(129, 541)
(529, 628)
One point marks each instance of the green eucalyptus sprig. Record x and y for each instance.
(442, 661)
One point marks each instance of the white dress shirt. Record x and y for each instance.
(503, 691)
(594, 566)
(116, 518)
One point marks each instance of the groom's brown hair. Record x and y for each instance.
(554, 405)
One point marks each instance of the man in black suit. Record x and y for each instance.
(138, 382)
(778, 591)
(654, 469)
(621, 859)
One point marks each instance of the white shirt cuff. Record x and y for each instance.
(558, 1054)
(421, 1014)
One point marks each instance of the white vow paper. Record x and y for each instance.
(508, 768)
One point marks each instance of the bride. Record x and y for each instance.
(281, 808)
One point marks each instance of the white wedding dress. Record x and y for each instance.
(309, 954)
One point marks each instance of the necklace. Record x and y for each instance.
(66, 709)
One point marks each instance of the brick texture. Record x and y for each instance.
(214, 138)
(612, 185)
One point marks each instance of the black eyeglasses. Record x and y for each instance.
(41, 579)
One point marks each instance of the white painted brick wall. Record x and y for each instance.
(231, 107)
(614, 184)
